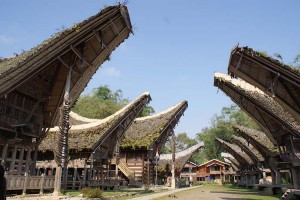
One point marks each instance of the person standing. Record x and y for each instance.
(2, 184)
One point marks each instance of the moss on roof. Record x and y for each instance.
(235, 151)
(258, 136)
(264, 56)
(248, 146)
(9, 64)
(145, 130)
(265, 100)
(85, 135)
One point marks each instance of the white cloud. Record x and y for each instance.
(4, 39)
(112, 72)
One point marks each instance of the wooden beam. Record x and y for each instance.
(75, 50)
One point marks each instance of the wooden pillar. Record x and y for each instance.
(278, 177)
(273, 174)
(27, 163)
(84, 174)
(173, 161)
(57, 182)
(13, 159)
(296, 177)
(20, 164)
(101, 172)
(33, 164)
(4, 154)
(117, 168)
(74, 178)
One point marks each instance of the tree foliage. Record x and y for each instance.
(221, 127)
(102, 103)
(182, 142)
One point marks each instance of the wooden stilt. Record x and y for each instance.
(4, 154)
(74, 178)
(20, 164)
(173, 161)
(57, 183)
(28, 153)
(13, 159)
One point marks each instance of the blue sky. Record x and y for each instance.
(176, 48)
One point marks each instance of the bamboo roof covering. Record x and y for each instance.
(248, 148)
(273, 77)
(257, 139)
(90, 134)
(181, 158)
(41, 72)
(276, 121)
(235, 151)
(151, 132)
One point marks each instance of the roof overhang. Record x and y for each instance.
(42, 72)
(271, 76)
(275, 121)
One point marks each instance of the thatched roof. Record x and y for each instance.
(41, 72)
(248, 148)
(233, 163)
(235, 151)
(146, 131)
(257, 139)
(270, 75)
(181, 158)
(91, 133)
(259, 105)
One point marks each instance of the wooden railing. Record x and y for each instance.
(16, 182)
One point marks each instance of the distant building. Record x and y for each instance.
(212, 171)
(189, 170)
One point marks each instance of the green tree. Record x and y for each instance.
(182, 142)
(221, 126)
(147, 110)
(101, 103)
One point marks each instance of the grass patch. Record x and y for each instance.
(209, 192)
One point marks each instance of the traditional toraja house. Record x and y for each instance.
(276, 79)
(181, 158)
(252, 152)
(92, 143)
(249, 173)
(32, 84)
(213, 170)
(277, 123)
(234, 175)
(144, 137)
(267, 149)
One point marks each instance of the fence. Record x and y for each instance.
(15, 182)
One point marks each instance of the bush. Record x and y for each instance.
(210, 183)
(91, 192)
(197, 183)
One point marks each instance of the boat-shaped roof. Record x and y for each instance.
(42, 72)
(181, 158)
(275, 78)
(235, 151)
(276, 121)
(89, 134)
(151, 132)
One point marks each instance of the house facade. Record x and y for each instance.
(211, 171)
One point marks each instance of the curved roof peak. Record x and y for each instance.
(183, 153)
(161, 113)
